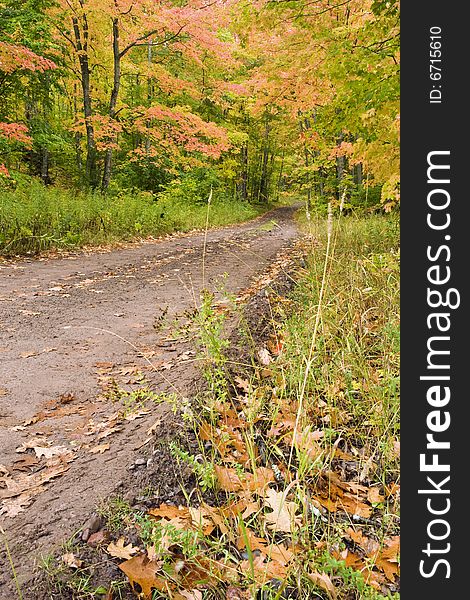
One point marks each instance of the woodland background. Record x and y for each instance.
(138, 103)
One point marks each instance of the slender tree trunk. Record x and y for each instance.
(264, 183)
(78, 136)
(112, 102)
(359, 173)
(81, 43)
(279, 179)
(244, 173)
(149, 94)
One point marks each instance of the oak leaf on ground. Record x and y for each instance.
(120, 549)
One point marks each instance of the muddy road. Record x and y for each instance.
(82, 340)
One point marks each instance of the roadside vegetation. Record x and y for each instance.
(35, 218)
(293, 449)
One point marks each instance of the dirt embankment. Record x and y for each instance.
(79, 337)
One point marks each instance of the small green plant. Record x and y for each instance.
(202, 468)
(116, 512)
(212, 345)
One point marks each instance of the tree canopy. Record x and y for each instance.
(251, 97)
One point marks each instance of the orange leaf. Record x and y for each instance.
(142, 575)
(230, 481)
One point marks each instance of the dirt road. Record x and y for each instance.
(74, 333)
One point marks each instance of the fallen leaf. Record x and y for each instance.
(242, 384)
(324, 582)
(50, 451)
(167, 511)
(29, 483)
(72, 561)
(136, 415)
(374, 496)
(119, 549)
(230, 480)
(142, 575)
(108, 432)
(14, 506)
(263, 570)
(24, 463)
(282, 518)
(369, 545)
(99, 449)
(28, 354)
(201, 519)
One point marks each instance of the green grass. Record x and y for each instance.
(34, 218)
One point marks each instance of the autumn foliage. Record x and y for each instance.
(271, 97)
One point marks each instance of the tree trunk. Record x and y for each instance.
(82, 48)
(279, 179)
(244, 173)
(264, 184)
(112, 102)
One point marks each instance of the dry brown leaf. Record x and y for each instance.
(218, 518)
(167, 511)
(282, 518)
(230, 481)
(247, 539)
(387, 559)
(100, 448)
(242, 384)
(29, 483)
(201, 519)
(50, 451)
(367, 544)
(30, 444)
(263, 570)
(353, 506)
(280, 553)
(136, 415)
(108, 432)
(374, 496)
(24, 463)
(119, 549)
(14, 506)
(323, 581)
(72, 561)
(306, 441)
(143, 572)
